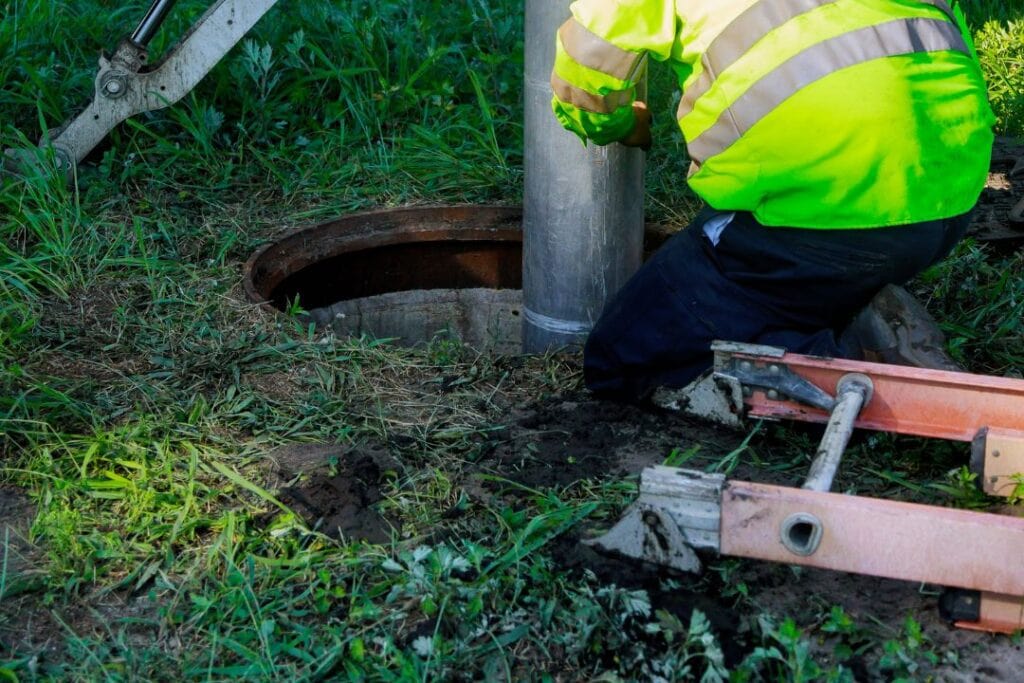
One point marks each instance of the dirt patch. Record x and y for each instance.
(561, 440)
(335, 489)
(991, 221)
(557, 441)
(880, 608)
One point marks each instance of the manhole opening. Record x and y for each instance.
(409, 274)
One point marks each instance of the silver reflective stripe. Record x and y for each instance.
(594, 52)
(556, 325)
(900, 37)
(738, 37)
(944, 6)
(747, 29)
(588, 101)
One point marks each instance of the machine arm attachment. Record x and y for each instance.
(125, 86)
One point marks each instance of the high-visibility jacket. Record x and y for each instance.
(808, 113)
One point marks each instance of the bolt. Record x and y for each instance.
(774, 369)
(745, 365)
(112, 87)
(747, 391)
(993, 480)
(773, 395)
(995, 454)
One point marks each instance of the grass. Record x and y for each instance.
(142, 400)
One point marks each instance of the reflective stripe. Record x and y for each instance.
(588, 101)
(745, 31)
(556, 325)
(594, 52)
(944, 6)
(900, 37)
(738, 37)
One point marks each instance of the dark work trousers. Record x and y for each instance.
(788, 287)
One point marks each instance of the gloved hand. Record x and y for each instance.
(641, 133)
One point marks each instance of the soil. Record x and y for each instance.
(555, 442)
(335, 488)
(563, 439)
(574, 558)
(992, 221)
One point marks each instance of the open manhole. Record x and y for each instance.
(411, 274)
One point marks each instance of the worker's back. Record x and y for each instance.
(808, 113)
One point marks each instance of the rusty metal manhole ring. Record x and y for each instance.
(409, 274)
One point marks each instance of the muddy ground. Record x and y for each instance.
(554, 443)
(558, 441)
(995, 221)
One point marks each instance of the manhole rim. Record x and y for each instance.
(385, 227)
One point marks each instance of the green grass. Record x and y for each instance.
(999, 38)
(140, 396)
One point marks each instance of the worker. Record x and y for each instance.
(839, 145)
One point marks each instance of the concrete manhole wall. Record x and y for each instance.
(411, 274)
(486, 319)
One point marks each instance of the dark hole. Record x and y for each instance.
(453, 264)
(800, 535)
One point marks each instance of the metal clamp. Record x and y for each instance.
(777, 380)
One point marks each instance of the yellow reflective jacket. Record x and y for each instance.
(808, 113)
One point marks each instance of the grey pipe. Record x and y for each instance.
(853, 392)
(150, 24)
(583, 207)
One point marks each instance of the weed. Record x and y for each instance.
(905, 654)
(963, 488)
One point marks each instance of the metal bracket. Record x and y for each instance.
(710, 397)
(677, 511)
(778, 382)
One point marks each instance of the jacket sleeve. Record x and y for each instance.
(601, 56)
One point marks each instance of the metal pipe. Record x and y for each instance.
(852, 393)
(583, 207)
(150, 24)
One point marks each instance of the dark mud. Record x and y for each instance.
(880, 609)
(561, 440)
(991, 221)
(335, 489)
